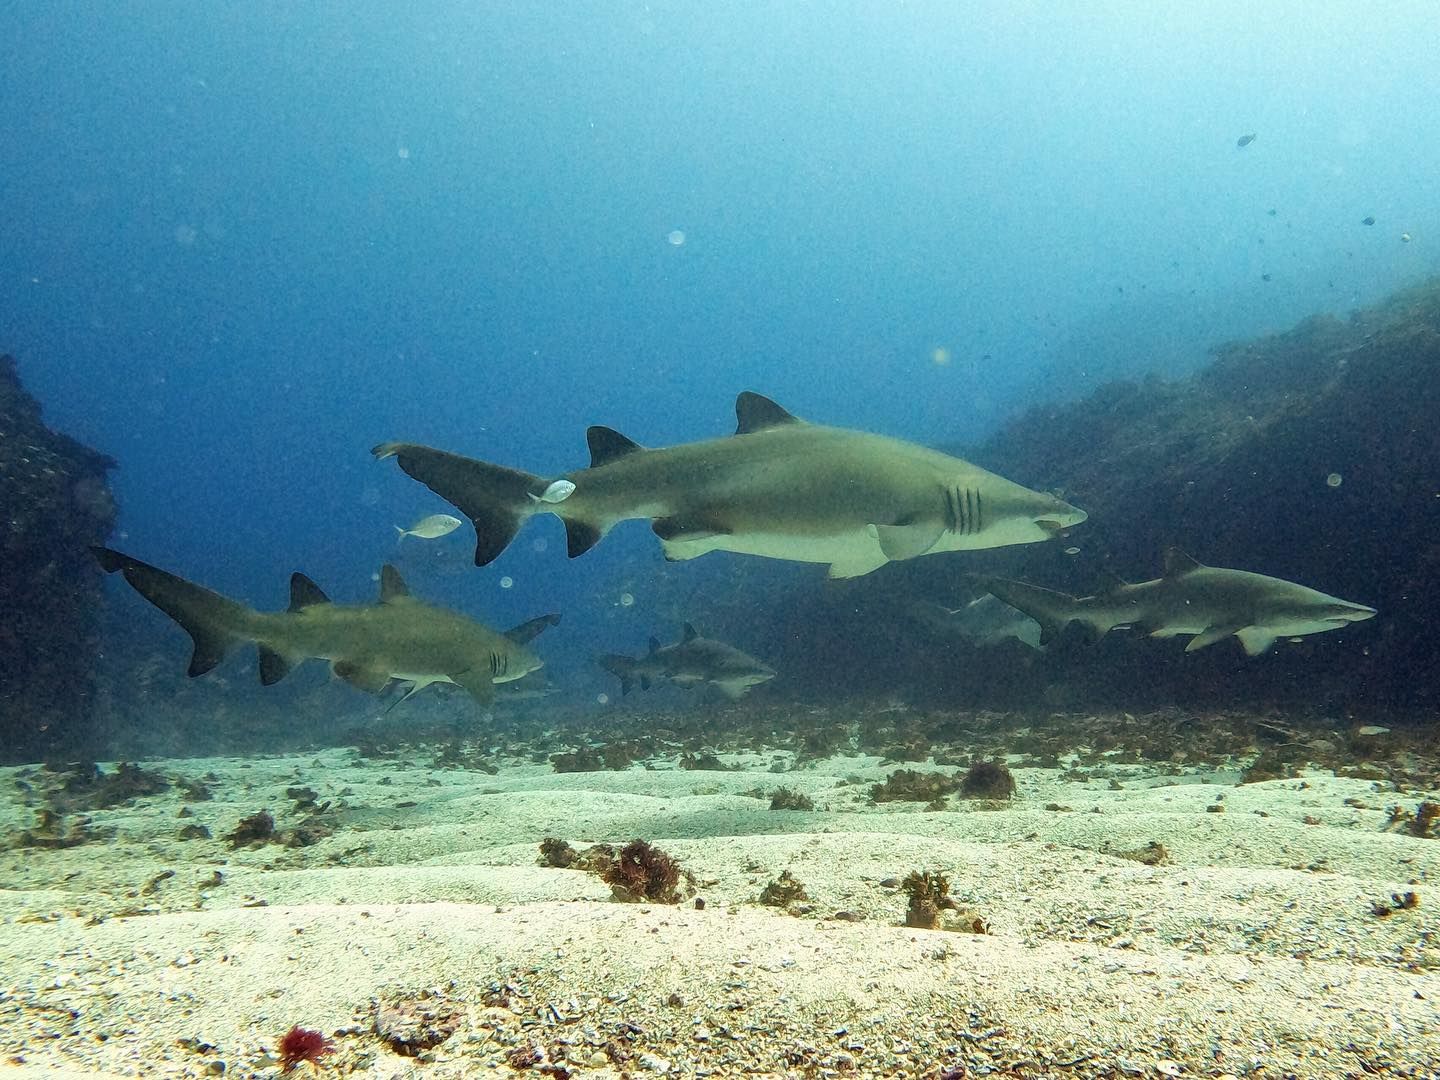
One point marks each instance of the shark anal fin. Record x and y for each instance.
(900, 542)
(858, 566)
(607, 445)
(755, 412)
(1210, 635)
(273, 665)
(527, 631)
(689, 528)
(361, 676)
(580, 536)
(305, 593)
(392, 585)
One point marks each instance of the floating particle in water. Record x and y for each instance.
(1244, 141)
(940, 356)
(1367, 220)
(1072, 551)
(675, 237)
(186, 235)
(627, 599)
(602, 699)
(1264, 277)
(540, 544)
(1270, 212)
(1404, 238)
(507, 582)
(1333, 480)
(403, 153)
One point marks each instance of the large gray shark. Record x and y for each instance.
(367, 645)
(691, 661)
(779, 487)
(1210, 602)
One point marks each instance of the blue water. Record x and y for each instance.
(242, 243)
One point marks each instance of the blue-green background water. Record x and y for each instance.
(242, 243)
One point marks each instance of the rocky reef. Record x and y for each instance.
(54, 502)
(1312, 455)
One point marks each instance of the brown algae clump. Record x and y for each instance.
(987, 780)
(642, 872)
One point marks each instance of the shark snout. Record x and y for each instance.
(1059, 515)
(1350, 613)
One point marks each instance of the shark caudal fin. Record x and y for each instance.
(623, 668)
(497, 500)
(1051, 609)
(215, 623)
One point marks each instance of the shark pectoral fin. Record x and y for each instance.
(900, 542)
(274, 665)
(476, 683)
(858, 565)
(1255, 639)
(733, 691)
(361, 676)
(680, 550)
(580, 536)
(1210, 636)
(415, 688)
(689, 528)
(529, 630)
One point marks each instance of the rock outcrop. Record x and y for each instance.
(54, 503)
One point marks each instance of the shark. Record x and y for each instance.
(691, 661)
(1209, 602)
(399, 638)
(780, 487)
(986, 620)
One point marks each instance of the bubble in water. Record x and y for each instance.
(675, 237)
(940, 356)
(507, 582)
(627, 599)
(602, 699)
(1333, 480)
(186, 235)
(403, 153)
(370, 496)
(539, 545)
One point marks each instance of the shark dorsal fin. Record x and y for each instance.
(688, 634)
(392, 585)
(654, 644)
(607, 444)
(528, 630)
(1177, 562)
(755, 412)
(305, 593)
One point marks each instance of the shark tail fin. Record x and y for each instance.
(215, 623)
(623, 668)
(497, 500)
(1051, 609)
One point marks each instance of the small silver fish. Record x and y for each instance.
(430, 528)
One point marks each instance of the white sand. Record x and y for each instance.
(1253, 952)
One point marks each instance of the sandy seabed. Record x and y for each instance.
(425, 939)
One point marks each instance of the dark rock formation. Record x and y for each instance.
(1312, 455)
(54, 502)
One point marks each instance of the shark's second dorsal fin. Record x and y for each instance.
(688, 634)
(1177, 562)
(392, 585)
(607, 444)
(305, 593)
(755, 412)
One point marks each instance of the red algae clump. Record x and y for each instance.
(303, 1044)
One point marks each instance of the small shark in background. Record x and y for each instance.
(367, 645)
(986, 620)
(779, 487)
(691, 661)
(1209, 602)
